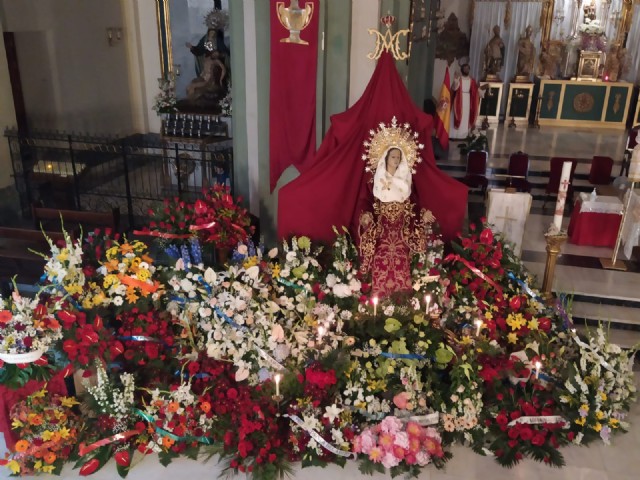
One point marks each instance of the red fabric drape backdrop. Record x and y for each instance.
(292, 108)
(327, 193)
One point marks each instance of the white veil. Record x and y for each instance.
(392, 188)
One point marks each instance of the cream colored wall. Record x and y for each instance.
(72, 79)
(7, 117)
(365, 14)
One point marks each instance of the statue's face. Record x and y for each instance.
(393, 160)
(465, 70)
(496, 30)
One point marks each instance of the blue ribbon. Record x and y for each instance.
(403, 356)
(289, 284)
(206, 286)
(228, 319)
(197, 375)
(525, 287)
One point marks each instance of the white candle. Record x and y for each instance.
(478, 327)
(375, 306)
(427, 300)
(562, 195)
(321, 332)
(538, 365)
(277, 378)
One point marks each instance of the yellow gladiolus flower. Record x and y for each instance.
(512, 337)
(14, 467)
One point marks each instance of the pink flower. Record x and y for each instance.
(375, 455)
(402, 440)
(365, 441)
(389, 460)
(401, 399)
(398, 451)
(414, 429)
(410, 459)
(385, 440)
(422, 458)
(414, 445)
(390, 424)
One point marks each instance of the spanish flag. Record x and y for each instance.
(443, 117)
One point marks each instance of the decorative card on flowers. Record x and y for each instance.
(507, 213)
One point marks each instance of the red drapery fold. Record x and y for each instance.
(292, 109)
(330, 190)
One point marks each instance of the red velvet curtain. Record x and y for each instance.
(330, 190)
(292, 108)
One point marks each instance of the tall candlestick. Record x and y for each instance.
(277, 377)
(538, 365)
(562, 195)
(427, 300)
(478, 327)
(375, 306)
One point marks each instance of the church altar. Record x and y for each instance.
(595, 222)
(573, 103)
(508, 213)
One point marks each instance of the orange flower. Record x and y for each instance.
(50, 457)
(54, 324)
(205, 407)
(21, 446)
(5, 316)
(126, 248)
(111, 265)
(55, 437)
(167, 442)
(173, 407)
(34, 419)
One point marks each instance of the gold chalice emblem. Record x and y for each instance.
(294, 19)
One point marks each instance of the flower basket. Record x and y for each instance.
(15, 358)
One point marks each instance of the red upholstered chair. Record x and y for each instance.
(555, 172)
(600, 173)
(476, 176)
(632, 141)
(519, 167)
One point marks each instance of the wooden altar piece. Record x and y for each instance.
(508, 213)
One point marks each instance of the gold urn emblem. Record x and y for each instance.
(294, 19)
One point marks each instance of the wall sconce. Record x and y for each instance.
(114, 35)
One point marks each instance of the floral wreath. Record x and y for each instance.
(388, 136)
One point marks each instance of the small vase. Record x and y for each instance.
(15, 358)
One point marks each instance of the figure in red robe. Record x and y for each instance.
(465, 104)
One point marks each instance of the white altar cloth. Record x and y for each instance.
(507, 213)
(631, 229)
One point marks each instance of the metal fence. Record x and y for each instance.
(86, 172)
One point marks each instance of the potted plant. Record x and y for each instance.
(476, 141)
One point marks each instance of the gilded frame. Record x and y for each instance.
(589, 65)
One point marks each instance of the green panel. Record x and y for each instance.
(519, 102)
(592, 101)
(489, 104)
(550, 100)
(337, 52)
(239, 94)
(615, 105)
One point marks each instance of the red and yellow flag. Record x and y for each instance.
(443, 117)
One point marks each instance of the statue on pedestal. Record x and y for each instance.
(526, 56)
(494, 56)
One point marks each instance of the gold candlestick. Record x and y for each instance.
(554, 247)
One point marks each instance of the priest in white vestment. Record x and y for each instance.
(466, 104)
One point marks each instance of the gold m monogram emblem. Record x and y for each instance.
(387, 41)
(294, 19)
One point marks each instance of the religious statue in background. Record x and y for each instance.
(549, 61)
(465, 103)
(210, 84)
(590, 10)
(526, 56)
(614, 64)
(452, 42)
(493, 56)
(394, 231)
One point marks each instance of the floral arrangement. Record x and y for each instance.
(226, 104)
(165, 101)
(28, 325)
(283, 356)
(232, 223)
(591, 27)
(48, 433)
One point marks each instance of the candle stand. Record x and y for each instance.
(554, 247)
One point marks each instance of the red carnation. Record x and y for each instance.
(538, 439)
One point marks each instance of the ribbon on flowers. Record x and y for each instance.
(118, 437)
(566, 320)
(62, 290)
(525, 287)
(318, 438)
(187, 375)
(159, 234)
(206, 286)
(289, 284)
(134, 282)
(139, 338)
(431, 419)
(475, 270)
(165, 433)
(204, 226)
(402, 356)
(272, 361)
(538, 420)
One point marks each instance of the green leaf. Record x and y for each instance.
(443, 356)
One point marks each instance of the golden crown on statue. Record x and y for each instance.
(388, 42)
(388, 136)
(294, 19)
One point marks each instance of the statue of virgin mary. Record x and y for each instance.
(392, 233)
